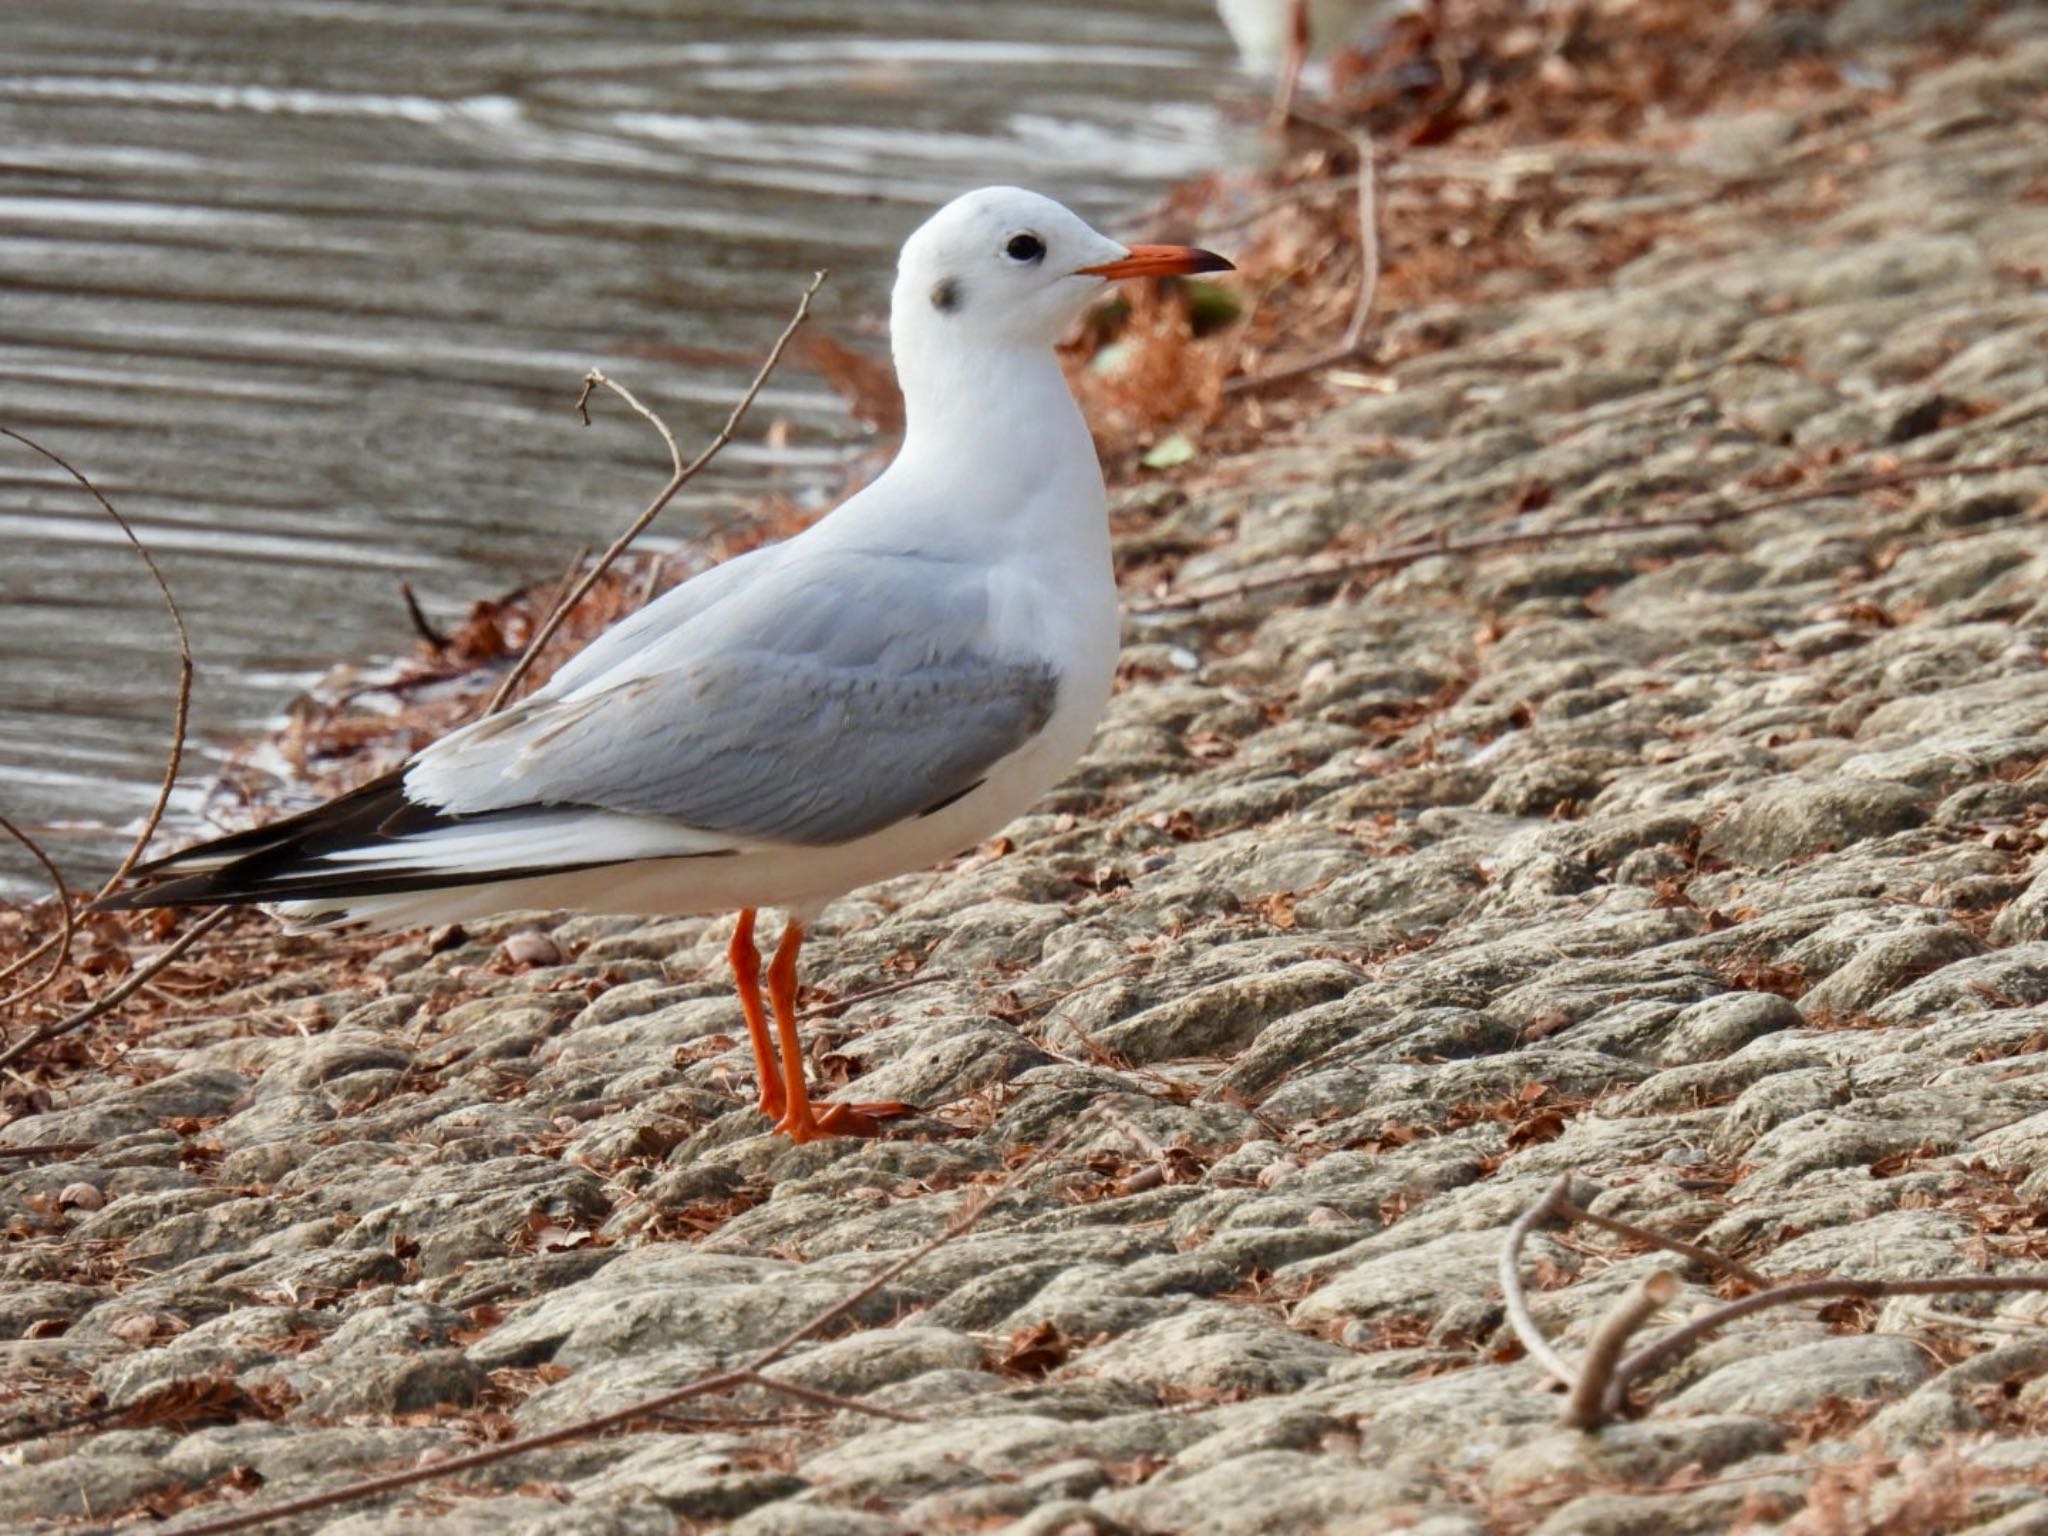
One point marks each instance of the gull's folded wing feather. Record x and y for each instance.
(670, 614)
(827, 699)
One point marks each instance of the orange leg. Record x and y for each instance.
(746, 973)
(799, 1120)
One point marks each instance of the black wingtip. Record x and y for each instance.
(252, 866)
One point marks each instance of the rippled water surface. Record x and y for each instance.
(306, 285)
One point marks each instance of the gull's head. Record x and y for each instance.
(1004, 265)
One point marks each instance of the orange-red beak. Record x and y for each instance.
(1161, 261)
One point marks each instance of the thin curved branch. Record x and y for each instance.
(1347, 349)
(681, 476)
(833, 1400)
(1686, 1335)
(1539, 1348)
(119, 995)
(62, 936)
(1587, 1407)
(183, 714)
(21, 963)
(1705, 1257)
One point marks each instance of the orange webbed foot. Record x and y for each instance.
(836, 1119)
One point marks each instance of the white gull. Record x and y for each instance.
(889, 687)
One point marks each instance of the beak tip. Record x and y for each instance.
(1162, 261)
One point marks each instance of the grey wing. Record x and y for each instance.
(671, 613)
(798, 750)
(830, 703)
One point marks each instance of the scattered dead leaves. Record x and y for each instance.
(1037, 1350)
(1749, 974)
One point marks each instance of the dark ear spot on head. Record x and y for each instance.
(946, 295)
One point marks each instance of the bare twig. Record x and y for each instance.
(826, 1399)
(1686, 1335)
(559, 596)
(1368, 244)
(1600, 1386)
(421, 624)
(21, 963)
(840, 1004)
(1423, 549)
(184, 706)
(750, 1373)
(133, 983)
(1368, 274)
(1143, 1139)
(1586, 1408)
(1532, 1338)
(682, 475)
(1706, 1257)
(48, 1149)
(63, 899)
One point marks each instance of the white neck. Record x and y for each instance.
(997, 417)
(988, 399)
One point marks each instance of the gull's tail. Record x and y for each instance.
(374, 856)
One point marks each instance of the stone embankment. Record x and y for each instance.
(1708, 865)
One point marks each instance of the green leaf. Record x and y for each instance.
(1169, 452)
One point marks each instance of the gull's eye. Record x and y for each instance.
(1024, 248)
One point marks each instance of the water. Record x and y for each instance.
(307, 285)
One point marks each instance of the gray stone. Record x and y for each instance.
(1215, 1348)
(659, 1297)
(1796, 1380)
(1720, 1026)
(786, 1517)
(2024, 919)
(1224, 1016)
(1860, 23)
(80, 1487)
(2009, 978)
(1795, 818)
(1273, 1491)
(1883, 966)
(396, 1384)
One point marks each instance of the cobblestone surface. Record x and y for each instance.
(1709, 865)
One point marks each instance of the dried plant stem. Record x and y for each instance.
(1511, 1291)
(48, 1149)
(1684, 1337)
(183, 713)
(841, 1004)
(681, 476)
(132, 984)
(1368, 245)
(1586, 1407)
(826, 1399)
(1705, 1257)
(63, 934)
(1143, 1139)
(22, 962)
(1423, 549)
(421, 624)
(750, 1373)
(1600, 1386)
(1368, 273)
